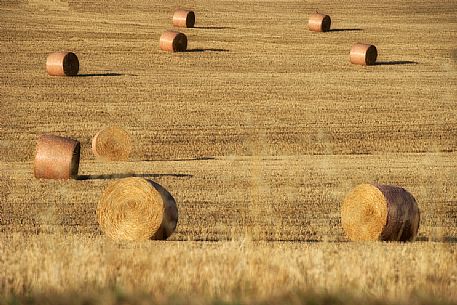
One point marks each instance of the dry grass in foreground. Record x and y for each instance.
(230, 271)
(261, 131)
(116, 297)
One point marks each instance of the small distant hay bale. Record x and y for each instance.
(363, 54)
(172, 41)
(112, 144)
(62, 64)
(380, 212)
(135, 209)
(184, 18)
(319, 22)
(56, 157)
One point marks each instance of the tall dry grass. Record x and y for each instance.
(230, 271)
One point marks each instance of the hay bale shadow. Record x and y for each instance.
(108, 74)
(214, 27)
(207, 50)
(181, 160)
(345, 30)
(450, 239)
(121, 176)
(395, 62)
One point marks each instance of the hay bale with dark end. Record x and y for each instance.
(184, 18)
(137, 209)
(380, 212)
(112, 144)
(172, 41)
(56, 157)
(363, 54)
(62, 64)
(319, 22)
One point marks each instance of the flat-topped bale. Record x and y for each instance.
(56, 157)
(62, 64)
(363, 54)
(184, 18)
(319, 22)
(172, 41)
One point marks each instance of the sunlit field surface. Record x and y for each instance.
(258, 133)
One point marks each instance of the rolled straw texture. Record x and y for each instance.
(380, 212)
(112, 144)
(136, 209)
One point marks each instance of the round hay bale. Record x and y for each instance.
(62, 64)
(137, 209)
(112, 144)
(363, 54)
(56, 157)
(184, 18)
(172, 41)
(380, 212)
(319, 22)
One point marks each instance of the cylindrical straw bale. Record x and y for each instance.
(62, 64)
(137, 209)
(56, 157)
(184, 18)
(363, 54)
(319, 22)
(112, 144)
(380, 212)
(172, 41)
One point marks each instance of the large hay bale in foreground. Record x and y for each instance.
(184, 18)
(62, 64)
(137, 209)
(112, 144)
(172, 41)
(363, 54)
(380, 212)
(56, 157)
(319, 22)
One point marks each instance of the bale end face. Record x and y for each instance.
(112, 144)
(364, 213)
(56, 157)
(380, 212)
(62, 64)
(363, 54)
(184, 18)
(136, 209)
(319, 22)
(172, 41)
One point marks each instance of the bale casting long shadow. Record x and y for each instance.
(208, 50)
(120, 176)
(345, 30)
(213, 27)
(103, 74)
(395, 62)
(182, 160)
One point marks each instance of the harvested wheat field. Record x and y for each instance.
(258, 132)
